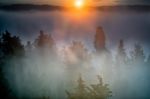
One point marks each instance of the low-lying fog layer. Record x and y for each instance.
(38, 75)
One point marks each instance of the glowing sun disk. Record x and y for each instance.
(79, 3)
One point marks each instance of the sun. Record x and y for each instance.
(79, 3)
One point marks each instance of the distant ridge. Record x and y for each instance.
(28, 7)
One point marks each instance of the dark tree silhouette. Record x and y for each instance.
(11, 45)
(44, 41)
(95, 91)
(100, 90)
(81, 91)
(28, 46)
(99, 40)
(121, 57)
(138, 54)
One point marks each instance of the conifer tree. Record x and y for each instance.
(11, 45)
(79, 50)
(95, 91)
(100, 90)
(28, 46)
(138, 54)
(80, 91)
(121, 57)
(44, 41)
(99, 40)
(77, 54)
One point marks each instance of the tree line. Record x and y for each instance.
(11, 47)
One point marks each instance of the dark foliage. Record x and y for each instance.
(94, 91)
(99, 40)
(44, 40)
(138, 54)
(11, 45)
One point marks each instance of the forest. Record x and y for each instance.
(41, 69)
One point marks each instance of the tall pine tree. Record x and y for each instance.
(121, 57)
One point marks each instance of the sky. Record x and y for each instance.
(93, 2)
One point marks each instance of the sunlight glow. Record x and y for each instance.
(79, 3)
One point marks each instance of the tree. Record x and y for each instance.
(100, 90)
(121, 57)
(11, 45)
(80, 91)
(99, 40)
(138, 54)
(79, 50)
(95, 91)
(28, 46)
(44, 41)
(77, 54)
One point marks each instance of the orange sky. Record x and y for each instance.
(90, 2)
(62, 2)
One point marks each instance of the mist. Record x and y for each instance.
(49, 72)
